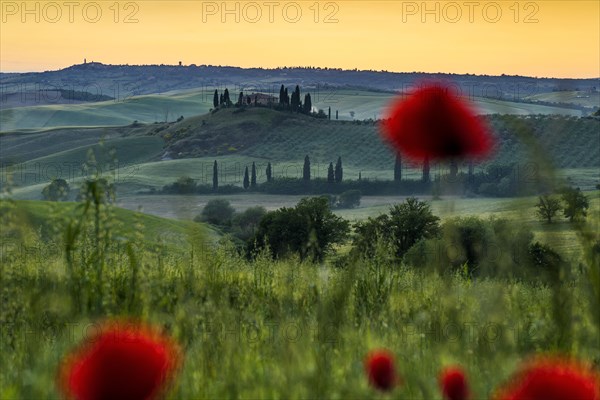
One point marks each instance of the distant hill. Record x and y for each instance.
(349, 103)
(123, 81)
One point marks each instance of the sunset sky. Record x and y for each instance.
(543, 38)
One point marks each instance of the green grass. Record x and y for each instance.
(148, 108)
(270, 329)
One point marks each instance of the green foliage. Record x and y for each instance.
(310, 230)
(349, 199)
(246, 223)
(217, 212)
(576, 204)
(406, 224)
(548, 207)
(267, 328)
(57, 190)
(184, 185)
(490, 248)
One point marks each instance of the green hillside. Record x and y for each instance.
(42, 218)
(169, 106)
(153, 155)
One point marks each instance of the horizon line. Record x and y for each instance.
(297, 67)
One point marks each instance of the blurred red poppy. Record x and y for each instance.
(453, 383)
(552, 379)
(433, 124)
(380, 369)
(124, 361)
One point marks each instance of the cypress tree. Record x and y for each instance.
(269, 172)
(241, 99)
(215, 176)
(336, 114)
(453, 169)
(282, 95)
(255, 100)
(307, 103)
(339, 170)
(330, 174)
(426, 170)
(246, 178)
(286, 97)
(398, 168)
(226, 98)
(221, 99)
(216, 99)
(253, 176)
(360, 176)
(329, 113)
(306, 169)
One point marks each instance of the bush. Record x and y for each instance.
(217, 212)
(57, 190)
(406, 224)
(246, 223)
(349, 199)
(477, 247)
(310, 230)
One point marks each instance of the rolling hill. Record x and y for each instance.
(350, 104)
(153, 155)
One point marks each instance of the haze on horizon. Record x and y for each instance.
(540, 39)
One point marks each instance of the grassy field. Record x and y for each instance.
(169, 106)
(266, 329)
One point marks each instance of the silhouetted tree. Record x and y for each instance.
(398, 168)
(221, 99)
(282, 95)
(360, 176)
(215, 176)
(306, 169)
(246, 178)
(336, 114)
(329, 113)
(307, 103)
(425, 177)
(453, 169)
(240, 101)
(547, 207)
(339, 170)
(255, 100)
(57, 190)
(226, 99)
(576, 204)
(269, 172)
(286, 97)
(330, 173)
(253, 176)
(216, 99)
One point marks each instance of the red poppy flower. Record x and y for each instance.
(124, 361)
(433, 124)
(453, 383)
(380, 369)
(553, 379)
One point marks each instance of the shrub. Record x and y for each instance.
(217, 212)
(349, 199)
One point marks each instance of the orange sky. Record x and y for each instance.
(545, 38)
